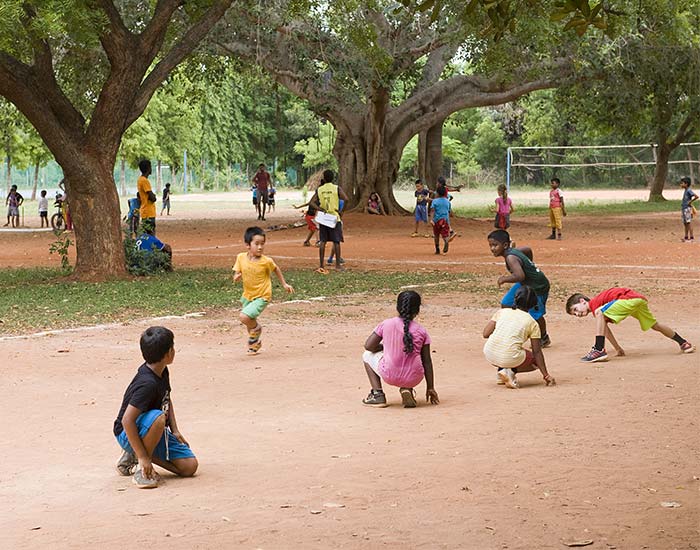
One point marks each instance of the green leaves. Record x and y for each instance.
(579, 15)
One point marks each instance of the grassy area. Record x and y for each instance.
(583, 207)
(38, 299)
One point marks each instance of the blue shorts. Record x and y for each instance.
(540, 310)
(421, 213)
(175, 449)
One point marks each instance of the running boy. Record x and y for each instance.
(254, 269)
(309, 216)
(145, 427)
(44, 208)
(441, 209)
(422, 200)
(612, 306)
(523, 271)
(556, 209)
(398, 352)
(507, 332)
(687, 209)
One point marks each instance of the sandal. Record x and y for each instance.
(322, 271)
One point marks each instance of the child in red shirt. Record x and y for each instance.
(612, 306)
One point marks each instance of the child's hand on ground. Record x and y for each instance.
(146, 466)
(620, 352)
(501, 280)
(431, 397)
(180, 438)
(549, 380)
(288, 288)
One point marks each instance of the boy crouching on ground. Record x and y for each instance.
(145, 427)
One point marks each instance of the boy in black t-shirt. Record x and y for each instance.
(145, 427)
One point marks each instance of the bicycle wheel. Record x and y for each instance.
(57, 221)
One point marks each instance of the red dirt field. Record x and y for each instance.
(289, 457)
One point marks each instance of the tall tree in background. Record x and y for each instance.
(82, 71)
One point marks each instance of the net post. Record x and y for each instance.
(508, 169)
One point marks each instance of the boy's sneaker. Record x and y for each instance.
(408, 398)
(508, 377)
(687, 347)
(329, 261)
(376, 398)
(594, 356)
(414, 234)
(551, 238)
(142, 482)
(546, 341)
(126, 463)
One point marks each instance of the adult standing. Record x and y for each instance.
(146, 194)
(262, 182)
(327, 199)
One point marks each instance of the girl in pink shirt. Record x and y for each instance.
(398, 352)
(504, 208)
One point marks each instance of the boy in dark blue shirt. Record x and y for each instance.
(145, 427)
(148, 242)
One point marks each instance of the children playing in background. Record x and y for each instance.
(256, 205)
(255, 270)
(341, 205)
(146, 428)
(504, 208)
(271, 197)
(398, 352)
(44, 209)
(523, 271)
(309, 216)
(166, 199)
(13, 201)
(421, 212)
(507, 331)
(374, 205)
(556, 209)
(612, 306)
(687, 209)
(441, 208)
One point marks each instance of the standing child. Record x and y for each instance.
(556, 209)
(271, 197)
(507, 332)
(398, 352)
(523, 271)
(133, 218)
(341, 205)
(44, 209)
(687, 209)
(146, 428)
(504, 208)
(13, 201)
(327, 199)
(147, 197)
(612, 306)
(255, 269)
(422, 200)
(441, 209)
(166, 199)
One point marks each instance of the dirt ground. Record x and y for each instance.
(289, 458)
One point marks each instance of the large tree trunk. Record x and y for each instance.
(430, 154)
(94, 206)
(663, 153)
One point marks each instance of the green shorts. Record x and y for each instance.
(638, 308)
(253, 308)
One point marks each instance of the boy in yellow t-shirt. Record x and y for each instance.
(255, 270)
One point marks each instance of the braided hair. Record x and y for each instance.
(408, 306)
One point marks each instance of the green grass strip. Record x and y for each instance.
(40, 299)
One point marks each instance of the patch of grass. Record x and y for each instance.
(38, 299)
(587, 207)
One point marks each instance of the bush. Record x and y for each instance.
(143, 263)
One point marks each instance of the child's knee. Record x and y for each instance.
(188, 467)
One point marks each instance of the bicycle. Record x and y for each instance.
(57, 220)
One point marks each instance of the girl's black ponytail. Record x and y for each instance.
(408, 306)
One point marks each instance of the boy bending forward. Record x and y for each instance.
(145, 427)
(612, 306)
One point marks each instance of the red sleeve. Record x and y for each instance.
(615, 293)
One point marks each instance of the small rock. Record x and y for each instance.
(316, 512)
(671, 504)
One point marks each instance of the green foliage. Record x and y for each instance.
(489, 146)
(318, 150)
(141, 262)
(61, 247)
